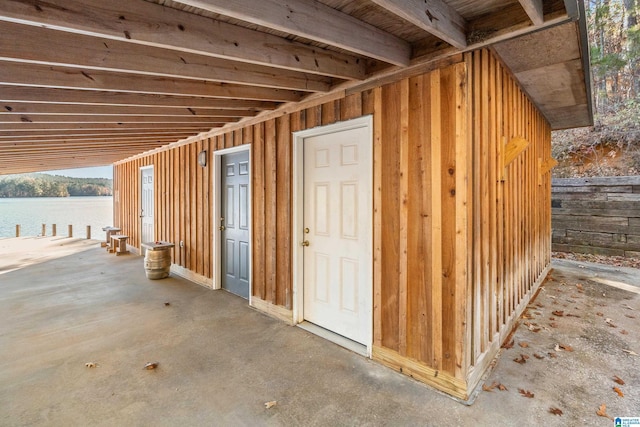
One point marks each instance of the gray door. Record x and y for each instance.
(234, 223)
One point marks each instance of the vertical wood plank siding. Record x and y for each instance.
(511, 218)
(457, 250)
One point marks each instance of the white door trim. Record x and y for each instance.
(217, 193)
(298, 215)
(142, 168)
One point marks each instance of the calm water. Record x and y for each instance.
(31, 213)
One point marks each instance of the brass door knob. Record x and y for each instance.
(305, 243)
(222, 228)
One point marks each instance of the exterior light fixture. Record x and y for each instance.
(202, 158)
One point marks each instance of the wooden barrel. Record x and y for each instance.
(157, 263)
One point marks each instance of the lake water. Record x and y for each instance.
(31, 213)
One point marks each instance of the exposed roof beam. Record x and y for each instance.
(433, 16)
(89, 133)
(43, 118)
(315, 21)
(39, 136)
(62, 48)
(20, 74)
(534, 10)
(195, 127)
(156, 25)
(109, 110)
(86, 97)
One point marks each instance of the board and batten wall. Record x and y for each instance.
(457, 249)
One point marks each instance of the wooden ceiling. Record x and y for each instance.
(91, 82)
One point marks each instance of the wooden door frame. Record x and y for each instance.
(216, 200)
(140, 169)
(298, 216)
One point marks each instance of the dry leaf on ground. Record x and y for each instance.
(537, 356)
(502, 387)
(552, 355)
(271, 404)
(555, 411)
(572, 315)
(617, 390)
(610, 322)
(522, 359)
(489, 387)
(91, 365)
(151, 365)
(526, 393)
(558, 313)
(630, 316)
(566, 347)
(523, 344)
(603, 411)
(508, 345)
(600, 314)
(624, 332)
(631, 352)
(618, 380)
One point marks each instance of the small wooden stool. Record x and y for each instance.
(119, 243)
(109, 230)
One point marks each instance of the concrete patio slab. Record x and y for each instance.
(220, 361)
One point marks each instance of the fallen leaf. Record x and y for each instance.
(508, 345)
(167, 304)
(555, 411)
(566, 347)
(600, 314)
(271, 404)
(617, 390)
(557, 347)
(552, 318)
(91, 365)
(624, 332)
(631, 352)
(151, 365)
(552, 355)
(553, 324)
(618, 380)
(537, 356)
(609, 322)
(579, 286)
(522, 359)
(572, 315)
(603, 412)
(526, 393)
(489, 387)
(558, 313)
(523, 344)
(502, 387)
(630, 316)
(628, 307)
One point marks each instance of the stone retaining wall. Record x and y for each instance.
(596, 215)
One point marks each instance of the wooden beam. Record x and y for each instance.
(87, 97)
(434, 16)
(534, 10)
(42, 118)
(513, 149)
(76, 50)
(90, 133)
(110, 110)
(160, 26)
(195, 127)
(20, 74)
(37, 141)
(315, 21)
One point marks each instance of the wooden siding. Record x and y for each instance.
(511, 207)
(457, 248)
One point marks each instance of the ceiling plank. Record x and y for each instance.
(534, 10)
(85, 118)
(13, 73)
(52, 133)
(62, 48)
(195, 127)
(10, 139)
(160, 26)
(434, 16)
(109, 110)
(314, 21)
(87, 97)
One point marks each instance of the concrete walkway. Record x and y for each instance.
(219, 361)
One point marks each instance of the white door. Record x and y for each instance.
(146, 203)
(338, 229)
(234, 223)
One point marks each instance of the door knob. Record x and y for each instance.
(222, 228)
(305, 243)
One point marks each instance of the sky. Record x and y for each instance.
(95, 172)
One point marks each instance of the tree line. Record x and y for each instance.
(614, 40)
(43, 185)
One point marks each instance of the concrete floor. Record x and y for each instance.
(220, 361)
